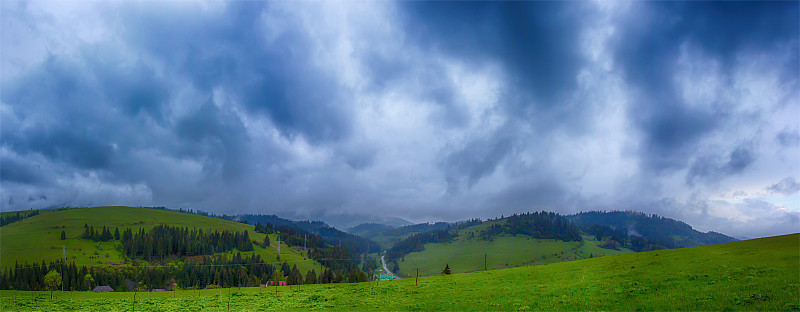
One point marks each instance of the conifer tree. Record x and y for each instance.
(446, 270)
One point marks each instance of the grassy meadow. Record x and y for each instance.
(467, 255)
(466, 252)
(39, 237)
(760, 274)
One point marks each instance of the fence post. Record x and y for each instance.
(484, 261)
(416, 281)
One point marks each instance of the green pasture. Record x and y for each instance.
(466, 254)
(754, 275)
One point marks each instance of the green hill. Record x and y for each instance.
(666, 231)
(753, 275)
(368, 229)
(390, 236)
(469, 252)
(37, 238)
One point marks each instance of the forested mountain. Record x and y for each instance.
(535, 224)
(668, 232)
(368, 229)
(330, 235)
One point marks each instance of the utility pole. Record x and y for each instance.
(279, 245)
(484, 261)
(304, 242)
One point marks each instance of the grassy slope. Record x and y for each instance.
(761, 274)
(465, 254)
(38, 238)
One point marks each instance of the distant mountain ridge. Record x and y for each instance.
(347, 220)
(329, 234)
(667, 231)
(368, 229)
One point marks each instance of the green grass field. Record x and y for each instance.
(761, 274)
(466, 253)
(38, 238)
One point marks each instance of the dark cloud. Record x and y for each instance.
(535, 43)
(274, 75)
(401, 109)
(788, 138)
(479, 158)
(58, 99)
(648, 47)
(16, 170)
(710, 168)
(218, 136)
(787, 186)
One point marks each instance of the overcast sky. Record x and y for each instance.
(425, 111)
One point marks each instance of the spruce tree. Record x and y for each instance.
(446, 270)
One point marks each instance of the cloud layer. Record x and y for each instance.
(420, 110)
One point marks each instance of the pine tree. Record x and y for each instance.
(446, 270)
(311, 277)
(63, 235)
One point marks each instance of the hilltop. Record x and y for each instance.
(666, 231)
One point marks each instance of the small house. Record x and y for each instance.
(158, 289)
(280, 283)
(103, 288)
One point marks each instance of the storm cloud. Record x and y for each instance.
(420, 110)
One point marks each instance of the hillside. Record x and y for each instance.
(470, 250)
(668, 232)
(390, 236)
(37, 238)
(753, 275)
(368, 229)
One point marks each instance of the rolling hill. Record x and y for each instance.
(368, 229)
(37, 239)
(754, 275)
(469, 250)
(668, 232)
(390, 236)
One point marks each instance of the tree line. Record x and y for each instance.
(292, 236)
(417, 242)
(11, 218)
(547, 225)
(166, 241)
(206, 272)
(614, 238)
(100, 235)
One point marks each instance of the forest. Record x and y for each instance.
(205, 272)
(548, 225)
(11, 218)
(165, 241)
